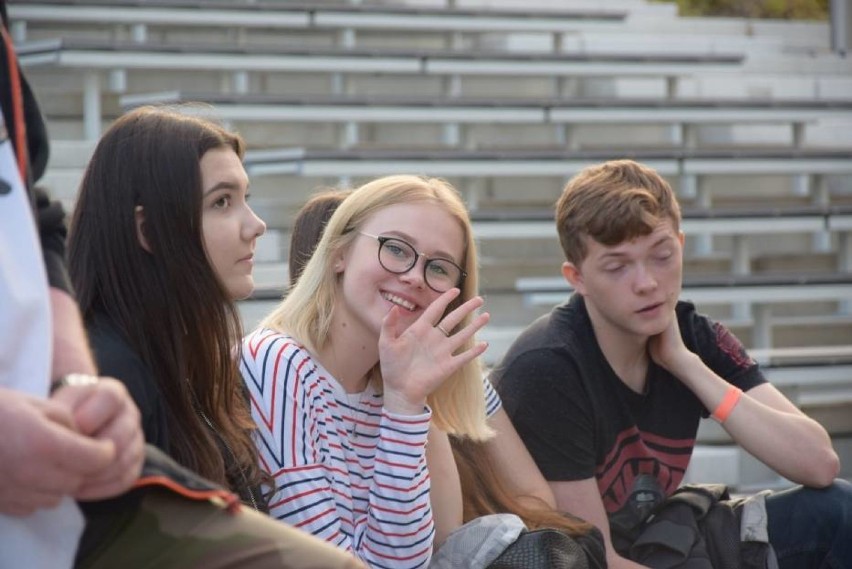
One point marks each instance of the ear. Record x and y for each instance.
(681, 236)
(339, 262)
(574, 277)
(139, 214)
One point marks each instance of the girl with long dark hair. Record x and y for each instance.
(161, 246)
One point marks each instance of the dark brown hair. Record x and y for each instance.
(483, 493)
(612, 203)
(308, 227)
(168, 303)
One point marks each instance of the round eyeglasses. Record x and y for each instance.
(398, 257)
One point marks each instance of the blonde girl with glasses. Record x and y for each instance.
(373, 345)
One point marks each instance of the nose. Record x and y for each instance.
(415, 276)
(253, 227)
(644, 280)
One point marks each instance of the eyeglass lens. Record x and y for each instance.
(397, 256)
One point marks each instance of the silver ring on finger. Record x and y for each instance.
(442, 329)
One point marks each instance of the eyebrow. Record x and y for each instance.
(662, 240)
(224, 185)
(619, 254)
(409, 238)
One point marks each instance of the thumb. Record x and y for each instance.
(390, 324)
(57, 412)
(78, 453)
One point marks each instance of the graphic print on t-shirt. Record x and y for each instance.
(730, 345)
(639, 472)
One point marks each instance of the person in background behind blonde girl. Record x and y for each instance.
(373, 344)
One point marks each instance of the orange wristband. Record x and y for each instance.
(729, 401)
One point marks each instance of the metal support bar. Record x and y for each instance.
(703, 242)
(798, 134)
(240, 82)
(346, 38)
(671, 87)
(801, 185)
(451, 135)
(821, 196)
(91, 105)
(117, 81)
(18, 31)
(453, 85)
(741, 265)
(762, 331)
(139, 33)
(349, 135)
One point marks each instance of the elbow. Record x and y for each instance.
(823, 470)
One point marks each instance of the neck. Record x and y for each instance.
(349, 354)
(626, 354)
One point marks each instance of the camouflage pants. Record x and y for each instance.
(165, 530)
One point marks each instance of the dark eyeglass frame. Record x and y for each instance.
(382, 239)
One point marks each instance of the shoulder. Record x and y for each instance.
(718, 347)
(270, 357)
(263, 346)
(701, 334)
(116, 358)
(547, 344)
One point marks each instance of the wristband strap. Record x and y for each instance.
(72, 379)
(729, 401)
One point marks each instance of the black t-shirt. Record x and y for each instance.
(115, 358)
(579, 420)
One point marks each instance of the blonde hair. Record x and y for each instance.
(458, 406)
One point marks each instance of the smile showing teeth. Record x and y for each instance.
(399, 301)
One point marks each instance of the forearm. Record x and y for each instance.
(581, 499)
(71, 353)
(791, 443)
(400, 531)
(769, 427)
(515, 467)
(615, 561)
(597, 517)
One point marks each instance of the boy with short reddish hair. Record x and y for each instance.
(608, 389)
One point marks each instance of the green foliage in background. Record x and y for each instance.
(782, 9)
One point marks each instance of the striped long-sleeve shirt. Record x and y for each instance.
(345, 469)
(492, 399)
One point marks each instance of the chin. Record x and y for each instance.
(657, 327)
(241, 291)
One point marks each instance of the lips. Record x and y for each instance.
(399, 301)
(649, 308)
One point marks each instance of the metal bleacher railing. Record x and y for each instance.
(96, 57)
(686, 116)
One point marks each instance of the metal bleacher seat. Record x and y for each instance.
(115, 58)
(736, 223)
(456, 113)
(314, 15)
(695, 166)
(757, 291)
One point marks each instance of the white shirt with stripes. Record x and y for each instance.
(345, 469)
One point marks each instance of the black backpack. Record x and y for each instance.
(552, 549)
